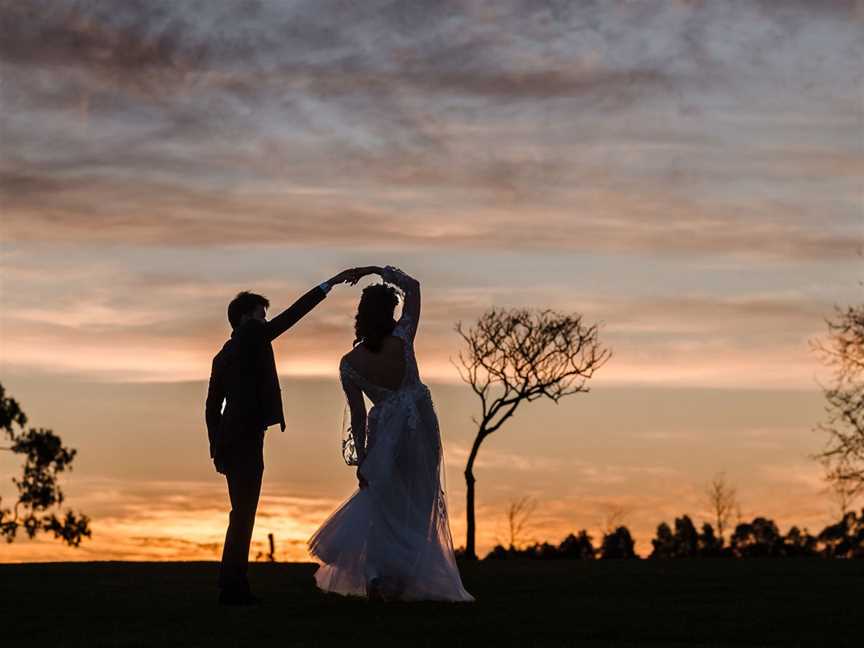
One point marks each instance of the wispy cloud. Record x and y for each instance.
(102, 319)
(464, 127)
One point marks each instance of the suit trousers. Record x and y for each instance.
(244, 470)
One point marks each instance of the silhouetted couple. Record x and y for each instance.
(390, 540)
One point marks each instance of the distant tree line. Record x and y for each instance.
(760, 538)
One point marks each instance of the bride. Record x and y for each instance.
(391, 539)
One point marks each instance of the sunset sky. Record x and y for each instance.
(687, 173)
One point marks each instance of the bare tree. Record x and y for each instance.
(519, 514)
(516, 356)
(614, 518)
(843, 495)
(723, 501)
(843, 456)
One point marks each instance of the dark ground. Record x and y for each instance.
(781, 602)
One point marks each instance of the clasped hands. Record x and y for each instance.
(353, 275)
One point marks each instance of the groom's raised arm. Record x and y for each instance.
(295, 312)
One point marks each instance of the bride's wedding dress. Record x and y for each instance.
(394, 533)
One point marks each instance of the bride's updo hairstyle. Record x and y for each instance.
(374, 320)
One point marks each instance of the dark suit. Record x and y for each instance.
(244, 376)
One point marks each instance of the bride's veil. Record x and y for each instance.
(346, 439)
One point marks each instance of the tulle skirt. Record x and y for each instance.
(394, 533)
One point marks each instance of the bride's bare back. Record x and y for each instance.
(383, 368)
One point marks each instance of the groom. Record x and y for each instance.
(244, 375)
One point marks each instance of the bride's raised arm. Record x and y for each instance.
(411, 307)
(410, 287)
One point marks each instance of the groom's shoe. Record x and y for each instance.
(238, 597)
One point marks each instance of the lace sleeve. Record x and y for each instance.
(410, 288)
(353, 420)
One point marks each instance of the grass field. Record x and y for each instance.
(782, 602)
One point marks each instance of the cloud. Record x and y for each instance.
(102, 318)
(84, 34)
(457, 455)
(612, 127)
(84, 211)
(701, 315)
(157, 42)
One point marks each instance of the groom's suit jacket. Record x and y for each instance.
(244, 376)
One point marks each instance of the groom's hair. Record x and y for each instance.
(245, 302)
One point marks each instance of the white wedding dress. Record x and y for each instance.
(394, 532)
